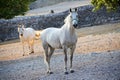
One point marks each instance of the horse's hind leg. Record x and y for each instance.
(23, 49)
(71, 58)
(32, 47)
(47, 57)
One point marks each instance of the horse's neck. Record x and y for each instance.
(24, 29)
(69, 28)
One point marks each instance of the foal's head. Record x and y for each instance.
(74, 17)
(21, 29)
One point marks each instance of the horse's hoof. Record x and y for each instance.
(49, 72)
(31, 52)
(66, 72)
(25, 54)
(72, 71)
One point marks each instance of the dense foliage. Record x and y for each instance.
(11, 8)
(111, 5)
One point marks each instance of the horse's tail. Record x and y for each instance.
(37, 34)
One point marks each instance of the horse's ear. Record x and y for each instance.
(22, 26)
(18, 25)
(76, 9)
(70, 10)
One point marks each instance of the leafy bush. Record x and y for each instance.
(11, 8)
(111, 5)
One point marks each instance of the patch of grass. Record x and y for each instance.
(97, 30)
(10, 42)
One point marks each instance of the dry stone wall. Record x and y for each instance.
(87, 18)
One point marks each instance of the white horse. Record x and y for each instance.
(61, 38)
(27, 35)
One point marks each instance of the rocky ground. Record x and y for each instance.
(91, 66)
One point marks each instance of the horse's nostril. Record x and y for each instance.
(76, 25)
(21, 34)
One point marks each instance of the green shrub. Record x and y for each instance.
(11, 8)
(111, 5)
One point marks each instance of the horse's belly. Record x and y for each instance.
(55, 44)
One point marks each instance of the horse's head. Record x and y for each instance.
(21, 29)
(74, 17)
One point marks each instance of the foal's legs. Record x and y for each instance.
(71, 58)
(31, 46)
(23, 45)
(23, 49)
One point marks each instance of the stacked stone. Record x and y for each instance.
(87, 18)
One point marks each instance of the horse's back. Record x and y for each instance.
(29, 33)
(30, 30)
(51, 36)
(49, 31)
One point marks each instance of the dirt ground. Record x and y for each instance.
(97, 57)
(90, 39)
(90, 43)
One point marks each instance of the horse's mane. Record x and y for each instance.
(67, 19)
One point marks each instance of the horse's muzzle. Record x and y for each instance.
(75, 25)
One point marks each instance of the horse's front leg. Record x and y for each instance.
(31, 46)
(23, 49)
(71, 58)
(23, 45)
(65, 59)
